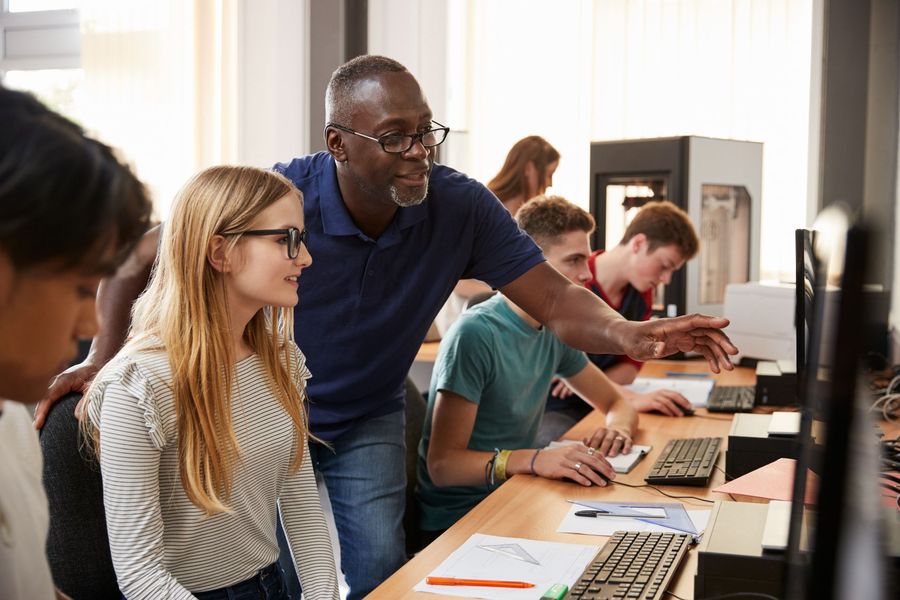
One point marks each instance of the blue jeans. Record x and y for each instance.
(366, 480)
(268, 584)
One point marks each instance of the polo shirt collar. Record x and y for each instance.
(336, 219)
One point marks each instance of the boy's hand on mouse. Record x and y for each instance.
(577, 462)
(610, 442)
(667, 402)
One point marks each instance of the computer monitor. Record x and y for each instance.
(829, 411)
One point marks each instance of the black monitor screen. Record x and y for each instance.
(832, 360)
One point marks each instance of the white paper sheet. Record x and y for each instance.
(610, 525)
(696, 390)
(559, 563)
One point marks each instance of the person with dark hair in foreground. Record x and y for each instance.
(392, 233)
(70, 212)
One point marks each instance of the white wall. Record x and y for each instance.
(273, 90)
(585, 70)
(415, 34)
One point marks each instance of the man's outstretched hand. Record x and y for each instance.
(74, 379)
(690, 333)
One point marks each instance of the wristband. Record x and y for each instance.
(500, 465)
(534, 458)
(489, 468)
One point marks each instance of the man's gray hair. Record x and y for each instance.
(339, 93)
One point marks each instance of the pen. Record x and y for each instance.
(477, 582)
(682, 374)
(606, 513)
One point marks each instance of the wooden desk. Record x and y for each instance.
(532, 507)
(427, 352)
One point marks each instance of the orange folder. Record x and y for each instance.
(774, 481)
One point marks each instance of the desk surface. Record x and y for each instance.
(532, 507)
(427, 352)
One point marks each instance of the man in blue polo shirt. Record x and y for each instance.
(391, 233)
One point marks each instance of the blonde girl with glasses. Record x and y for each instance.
(200, 420)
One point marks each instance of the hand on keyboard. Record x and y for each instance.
(577, 462)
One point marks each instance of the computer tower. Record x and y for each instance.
(717, 181)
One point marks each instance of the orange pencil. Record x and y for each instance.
(477, 582)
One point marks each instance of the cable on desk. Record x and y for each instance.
(652, 487)
(889, 405)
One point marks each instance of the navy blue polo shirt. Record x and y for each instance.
(366, 304)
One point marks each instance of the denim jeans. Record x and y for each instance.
(268, 584)
(366, 480)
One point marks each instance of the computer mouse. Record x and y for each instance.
(687, 412)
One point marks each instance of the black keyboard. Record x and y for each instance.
(688, 461)
(733, 398)
(632, 565)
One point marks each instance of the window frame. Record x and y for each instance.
(54, 41)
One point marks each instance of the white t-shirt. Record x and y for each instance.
(24, 520)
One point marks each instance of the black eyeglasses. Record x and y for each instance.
(396, 143)
(293, 237)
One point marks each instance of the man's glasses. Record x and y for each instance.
(293, 237)
(396, 143)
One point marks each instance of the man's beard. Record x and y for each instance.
(410, 199)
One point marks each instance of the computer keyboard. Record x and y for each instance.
(632, 565)
(733, 398)
(687, 461)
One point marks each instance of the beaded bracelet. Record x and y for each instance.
(534, 458)
(500, 465)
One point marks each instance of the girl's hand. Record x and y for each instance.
(577, 462)
(610, 442)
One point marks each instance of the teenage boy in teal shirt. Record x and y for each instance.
(657, 243)
(490, 383)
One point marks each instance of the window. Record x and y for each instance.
(40, 51)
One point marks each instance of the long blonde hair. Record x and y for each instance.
(183, 312)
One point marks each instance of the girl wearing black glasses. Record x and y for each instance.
(200, 420)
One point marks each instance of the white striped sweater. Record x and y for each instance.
(162, 545)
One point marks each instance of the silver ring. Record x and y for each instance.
(591, 451)
(577, 467)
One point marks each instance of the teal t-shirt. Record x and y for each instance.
(493, 358)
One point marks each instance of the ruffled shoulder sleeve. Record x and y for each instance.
(300, 372)
(134, 382)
